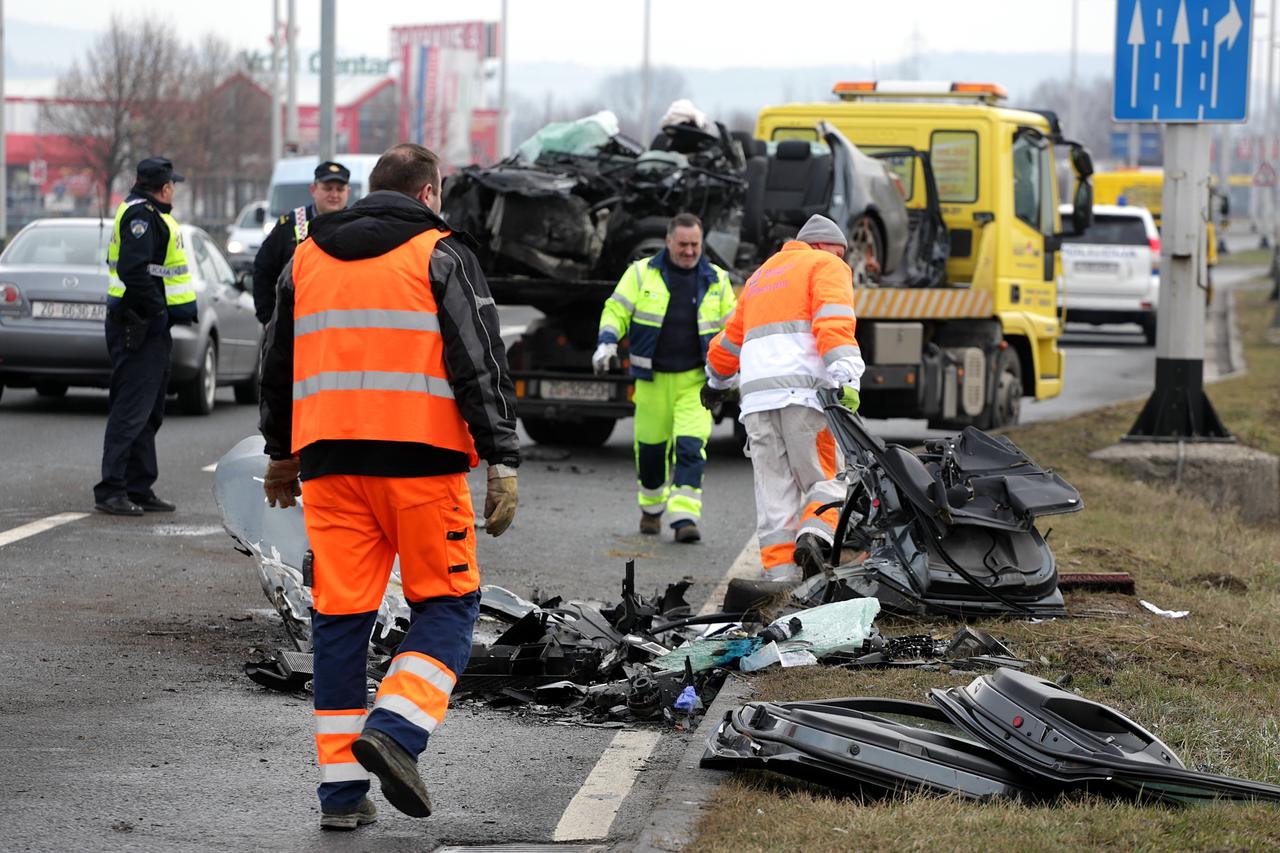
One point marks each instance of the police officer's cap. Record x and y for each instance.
(331, 171)
(157, 170)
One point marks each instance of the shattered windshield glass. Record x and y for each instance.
(583, 137)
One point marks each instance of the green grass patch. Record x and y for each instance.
(1248, 257)
(1209, 685)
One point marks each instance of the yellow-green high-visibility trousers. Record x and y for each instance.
(672, 429)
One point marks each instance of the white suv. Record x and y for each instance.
(1111, 273)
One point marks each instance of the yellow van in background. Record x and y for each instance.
(1145, 188)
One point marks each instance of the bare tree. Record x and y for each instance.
(117, 105)
(1093, 124)
(623, 93)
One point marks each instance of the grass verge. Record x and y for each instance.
(1209, 685)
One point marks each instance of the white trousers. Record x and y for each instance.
(795, 461)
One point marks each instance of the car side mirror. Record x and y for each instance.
(1082, 207)
(244, 280)
(1081, 161)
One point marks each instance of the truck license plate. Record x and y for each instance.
(69, 311)
(564, 389)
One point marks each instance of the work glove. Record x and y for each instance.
(603, 357)
(500, 499)
(849, 398)
(135, 330)
(712, 398)
(280, 483)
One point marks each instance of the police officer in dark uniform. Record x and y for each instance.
(149, 291)
(329, 192)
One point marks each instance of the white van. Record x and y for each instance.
(1111, 272)
(291, 181)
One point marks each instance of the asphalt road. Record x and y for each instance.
(129, 725)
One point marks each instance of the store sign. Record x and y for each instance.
(352, 66)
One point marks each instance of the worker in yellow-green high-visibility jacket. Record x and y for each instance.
(668, 307)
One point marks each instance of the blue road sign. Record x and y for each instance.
(1182, 60)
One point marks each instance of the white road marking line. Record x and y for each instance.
(210, 468)
(747, 565)
(593, 808)
(8, 537)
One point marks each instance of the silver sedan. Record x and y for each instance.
(53, 302)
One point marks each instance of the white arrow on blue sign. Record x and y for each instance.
(1182, 60)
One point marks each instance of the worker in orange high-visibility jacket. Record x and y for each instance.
(791, 334)
(384, 382)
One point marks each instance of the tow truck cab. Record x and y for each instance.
(965, 352)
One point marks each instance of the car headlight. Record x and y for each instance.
(235, 247)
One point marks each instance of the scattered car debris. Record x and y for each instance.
(1160, 611)
(968, 649)
(949, 531)
(1006, 734)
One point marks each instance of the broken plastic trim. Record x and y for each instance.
(1062, 737)
(858, 743)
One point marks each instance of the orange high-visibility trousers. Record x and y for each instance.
(357, 525)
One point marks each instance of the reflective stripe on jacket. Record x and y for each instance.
(178, 289)
(638, 306)
(301, 224)
(794, 326)
(368, 360)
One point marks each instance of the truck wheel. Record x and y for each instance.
(196, 396)
(591, 432)
(1007, 405)
(866, 251)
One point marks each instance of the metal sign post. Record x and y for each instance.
(1182, 63)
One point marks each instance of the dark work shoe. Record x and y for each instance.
(118, 505)
(363, 813)
(650, 525)
(811, 554)
(152, 503)
(687, 533)
(396, 769)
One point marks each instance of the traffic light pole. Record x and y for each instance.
(1178, 409)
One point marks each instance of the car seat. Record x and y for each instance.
(798, 184)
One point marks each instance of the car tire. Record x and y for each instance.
(1149, 332)
(866, 250)
(195, 397)
(51, 389)
(590, 432)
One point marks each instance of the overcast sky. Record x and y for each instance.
(690, 33)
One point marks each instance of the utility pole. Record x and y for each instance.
(1073, 103)
(277, 130)
(1178, 408)
(1269, 127)
(291, 131)
(503, 140)
(328, 63)
(646, 131)
(4, 163)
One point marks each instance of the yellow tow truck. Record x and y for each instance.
(966, 350)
